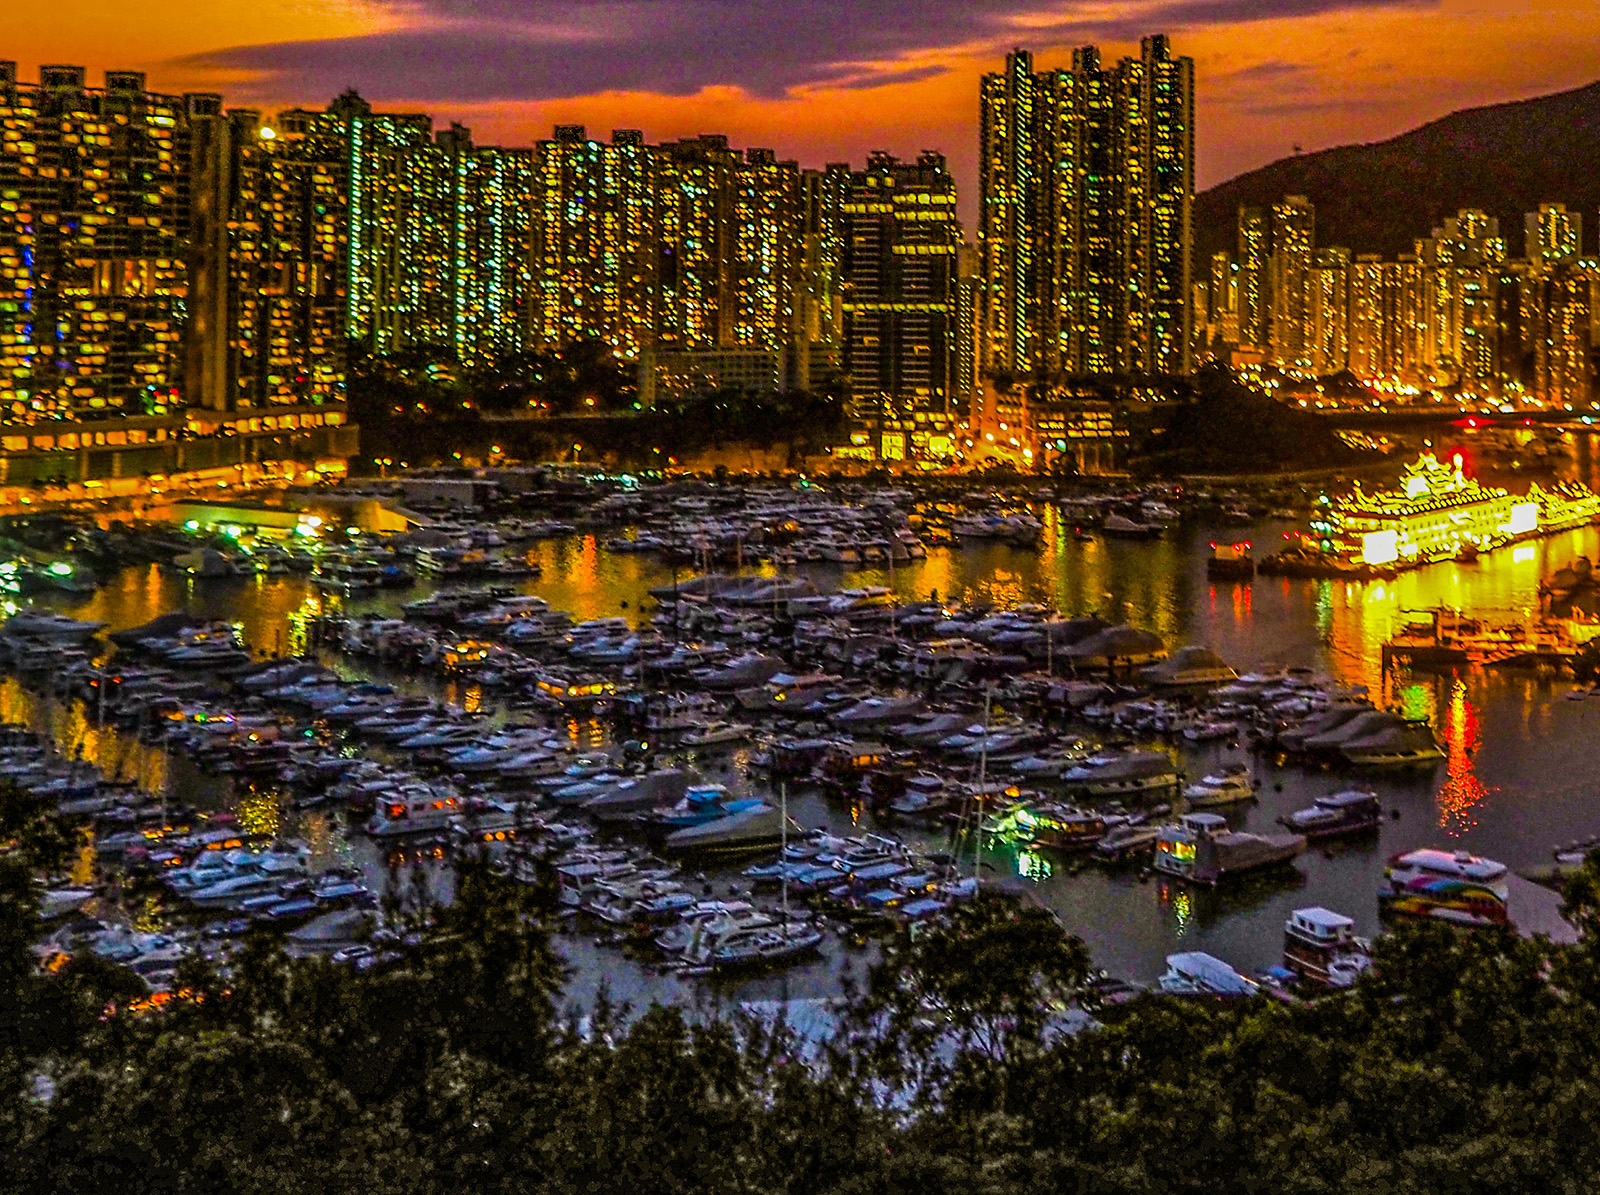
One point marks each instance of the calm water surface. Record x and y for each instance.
(1522, 772)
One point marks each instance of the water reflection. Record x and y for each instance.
(1178, 901)
(1462, 791)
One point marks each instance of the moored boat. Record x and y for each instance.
(1460, 888)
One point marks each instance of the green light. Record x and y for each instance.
(192, 525)
(61, 569)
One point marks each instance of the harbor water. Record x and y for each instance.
(1521, 773)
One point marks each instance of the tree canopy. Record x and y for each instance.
(1464, 1062)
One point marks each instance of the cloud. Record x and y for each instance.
(483, 50)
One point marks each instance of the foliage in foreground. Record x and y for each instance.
(1468, 1063)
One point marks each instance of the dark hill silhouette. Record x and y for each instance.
(1376, 198)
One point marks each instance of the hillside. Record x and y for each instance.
(1376, 198)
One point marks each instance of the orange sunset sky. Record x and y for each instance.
(830, 79)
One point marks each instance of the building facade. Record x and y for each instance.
(1085, 225)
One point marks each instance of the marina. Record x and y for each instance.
(864, 699)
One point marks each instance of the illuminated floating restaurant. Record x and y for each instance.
(1439, 513)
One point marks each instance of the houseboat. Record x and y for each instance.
(1320, 947)
(413, 813)
(1201, 848)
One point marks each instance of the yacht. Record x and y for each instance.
(1226, 787)
(1457, 887)
(1127, 840)
(1195, 973)
(1348, 812)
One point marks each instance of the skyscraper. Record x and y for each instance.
(902, 311)
(94, 208)
(1290, 335)
(1552, 234)
(1086, 181)
(268, 263)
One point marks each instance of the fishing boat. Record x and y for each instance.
(1457, 887)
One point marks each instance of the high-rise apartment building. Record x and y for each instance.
(490, 266)
(268, 261)
(1290, 336)
(1086, 180)
(595, 249)
(93, 220)
(901, 303)
(1552, 234)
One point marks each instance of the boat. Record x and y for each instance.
(1190, 668)
(1059, 827)
(756, 827)
(1197, 974)
(714, 734)
(1200, 847)
(1348, 812)
(1408, 745)
(1437, 513)
(413, 813)
(1231, 562)
(1457, 887)
(1320, 947)
(44, 624)
(768, 944)
(1127, 840)
(1125, 528)
(1227, 787)
(1131, 775)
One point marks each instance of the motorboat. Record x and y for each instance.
(1227, 787)
(1127, 840)
(757, 826)
(1457, 887)
(1348, 812)
(1320, 946)
(1197, 974)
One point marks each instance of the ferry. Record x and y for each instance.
(1456, 887)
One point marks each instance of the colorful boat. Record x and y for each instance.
(1456, 887)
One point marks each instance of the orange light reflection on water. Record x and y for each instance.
(1462, 791)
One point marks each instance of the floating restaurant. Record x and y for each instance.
(1439, 513)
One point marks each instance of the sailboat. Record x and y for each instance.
(778, 942)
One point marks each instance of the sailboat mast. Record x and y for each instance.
(783, 845)
(983, 778)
